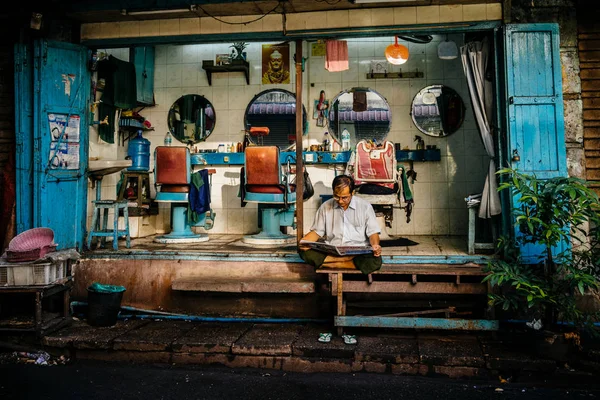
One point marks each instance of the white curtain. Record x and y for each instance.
(475, 58)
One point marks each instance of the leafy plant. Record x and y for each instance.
(551, 214)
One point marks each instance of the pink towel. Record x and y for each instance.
(337, 55)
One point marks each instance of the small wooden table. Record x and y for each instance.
(41, 322)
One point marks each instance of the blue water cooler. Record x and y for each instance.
(139, 153)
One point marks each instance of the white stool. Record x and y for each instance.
(472, 245)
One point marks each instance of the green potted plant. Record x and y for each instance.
(559, 216)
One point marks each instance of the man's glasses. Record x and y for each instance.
(343, 198)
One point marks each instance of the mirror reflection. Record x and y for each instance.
(438, 111)
(275, 109)
(191, 118)
(363, 112)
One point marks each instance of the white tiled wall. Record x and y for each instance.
(440, 187)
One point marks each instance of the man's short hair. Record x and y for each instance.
(342, 181)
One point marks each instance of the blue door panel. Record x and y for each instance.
(62, 87)
(24, 136)
(535, 112)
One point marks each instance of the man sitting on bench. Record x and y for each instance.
(342, 221)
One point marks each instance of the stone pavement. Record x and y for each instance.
(294, 347)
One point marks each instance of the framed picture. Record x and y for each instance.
(275, 63)
(222, 59)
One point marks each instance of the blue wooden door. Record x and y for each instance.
(534, 104)
(61, 93)
(24, 136)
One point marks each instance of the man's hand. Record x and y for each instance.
(311, 236)
(376, 250)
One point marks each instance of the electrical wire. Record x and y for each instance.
(239, 23)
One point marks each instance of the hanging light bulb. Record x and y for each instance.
(396, 53)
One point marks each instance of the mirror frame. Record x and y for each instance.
(257, 96)
(332, 111)
(449, 91)
(171, 117)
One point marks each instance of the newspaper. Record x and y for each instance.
(337, 250)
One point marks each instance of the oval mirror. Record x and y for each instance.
(191, 118)
(275, 109)
(438, 111)
(363, 112)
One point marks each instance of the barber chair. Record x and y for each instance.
(378, 180)
(173, 179)
(265, 183)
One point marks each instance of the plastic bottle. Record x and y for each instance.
(345, 140)
(326, 141)
(168, 139)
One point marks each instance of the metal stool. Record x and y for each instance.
(102, 231)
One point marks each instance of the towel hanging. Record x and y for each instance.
(336, 58)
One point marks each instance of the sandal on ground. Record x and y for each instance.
(349, 339)
(324, 337)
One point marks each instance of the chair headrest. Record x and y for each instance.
(259, 131)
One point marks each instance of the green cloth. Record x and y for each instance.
(366, 263)
(120, 88)
(406, 192)
(197, 182)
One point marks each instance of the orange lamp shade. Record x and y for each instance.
(396, 53)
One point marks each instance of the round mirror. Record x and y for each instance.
(438, 111)
(363, 112)
(191, 118)
(276, 110)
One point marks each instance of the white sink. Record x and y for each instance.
(98, 168)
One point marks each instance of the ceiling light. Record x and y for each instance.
(378, 1)
(192, 8)
(396, 53)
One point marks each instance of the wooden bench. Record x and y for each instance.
(411, 279)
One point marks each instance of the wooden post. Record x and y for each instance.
(299, 131)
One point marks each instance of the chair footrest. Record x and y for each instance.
(274, 285)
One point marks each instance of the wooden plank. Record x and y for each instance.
(424, 269)
(409, 287)
(591, 115)
(585, 45)
(590, 85)
(592, 102)
(592, 163)
(589, 74)
(418, 323)
(591, 132)
(590, 94)
(244, 286)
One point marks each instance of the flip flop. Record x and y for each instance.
(324, 337)
(349, 339)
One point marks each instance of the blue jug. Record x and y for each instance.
(139, 153)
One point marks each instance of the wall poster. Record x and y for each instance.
(64, 147)
(275, 63)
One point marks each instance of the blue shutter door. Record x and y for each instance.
(62, 88)
(24, 136)
(534, 104)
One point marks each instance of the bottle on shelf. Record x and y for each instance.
(168, 139)
(345, 140)
(326, 141)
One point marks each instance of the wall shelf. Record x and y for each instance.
(395, 75)
(310, 157)
(235, 66)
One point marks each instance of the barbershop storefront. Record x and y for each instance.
(192, 75)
